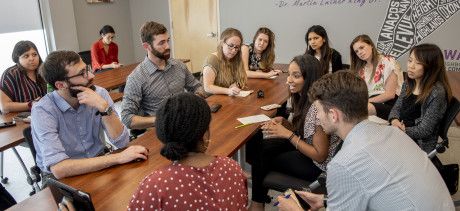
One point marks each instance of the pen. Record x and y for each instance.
(242, 125)
(286, 197)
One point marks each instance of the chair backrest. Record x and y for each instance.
(27, 132)
(345, 66)
(86, 57)
(452, 110)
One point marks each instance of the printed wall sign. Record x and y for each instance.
(409, 21)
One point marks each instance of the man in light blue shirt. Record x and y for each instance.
(378, 167)
(67, 122)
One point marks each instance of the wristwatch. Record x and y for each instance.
(108, 111)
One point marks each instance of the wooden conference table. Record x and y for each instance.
(42, 200)
(115, 78)
(11, 136)
(112, 188)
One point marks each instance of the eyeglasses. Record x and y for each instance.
(85, 72)
(233, 47)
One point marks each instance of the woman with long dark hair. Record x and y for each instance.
(424, 96)
(295, 146)
(318, 46)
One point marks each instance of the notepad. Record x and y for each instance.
(244, 93)
(254, 119)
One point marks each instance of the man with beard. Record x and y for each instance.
(378, 167)
(154, 80)
(67, 123)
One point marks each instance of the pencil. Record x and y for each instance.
(242, 125)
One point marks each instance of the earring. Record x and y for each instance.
(206, 144)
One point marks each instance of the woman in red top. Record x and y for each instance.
(104, 52)
(195, 180)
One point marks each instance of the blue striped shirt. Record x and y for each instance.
(60, 132)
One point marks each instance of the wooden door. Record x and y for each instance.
(194, 33)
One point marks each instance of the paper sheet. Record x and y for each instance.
(254, 119)
(244, 93)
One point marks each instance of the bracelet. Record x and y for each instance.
(297, 143)
(290, 137)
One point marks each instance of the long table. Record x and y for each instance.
(11, 136)
(114, 78)
(112, 188)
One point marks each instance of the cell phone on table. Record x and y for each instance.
(80, 200)
(7, 124)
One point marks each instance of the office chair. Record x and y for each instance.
(86, 57)
(281, 182)
(446, 170)
(33, 178)
(4, 179)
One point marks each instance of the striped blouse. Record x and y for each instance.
(20, 88)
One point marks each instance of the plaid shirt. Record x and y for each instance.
(147, 87)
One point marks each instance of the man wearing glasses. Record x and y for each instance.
(67, 122)
(155, 79)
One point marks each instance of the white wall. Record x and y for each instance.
(89, 19)
(60, 23)
(143, 11)
(290, 23)
(343, 21)
(13, 21)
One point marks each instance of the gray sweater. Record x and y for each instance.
(425, 131)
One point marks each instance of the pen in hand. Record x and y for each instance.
(286, 197)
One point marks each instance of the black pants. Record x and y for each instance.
(6, 200)
(276, 155)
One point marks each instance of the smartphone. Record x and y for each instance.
(81, 200)
(215, 107)
(302, 202)
(7, 124)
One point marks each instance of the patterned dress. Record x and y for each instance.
(219, 186)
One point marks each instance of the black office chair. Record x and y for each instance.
(35, 173)
(448, 172)
(281, 182)
(86, 57)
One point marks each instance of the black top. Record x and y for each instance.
(336, 61)
(410, 110)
